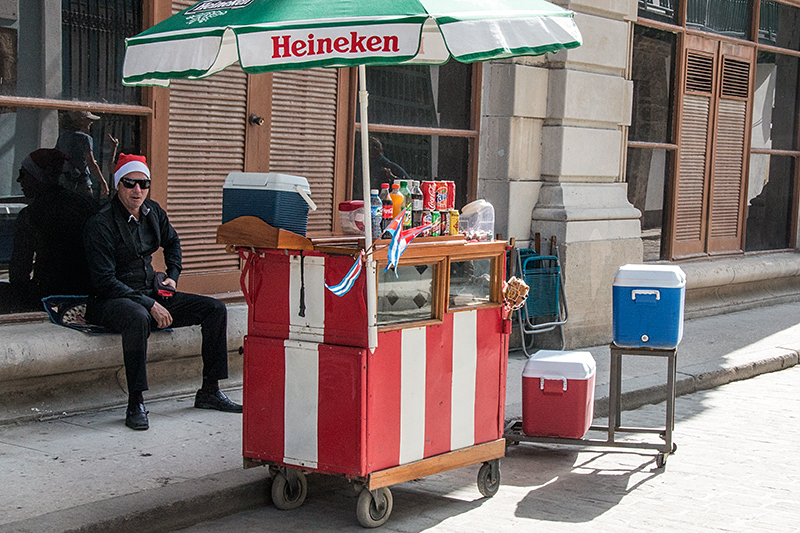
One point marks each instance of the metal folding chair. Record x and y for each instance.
(546, 307)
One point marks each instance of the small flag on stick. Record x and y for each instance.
(400, 242)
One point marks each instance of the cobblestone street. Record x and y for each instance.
(735, 469)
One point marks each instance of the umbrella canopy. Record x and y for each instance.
(266, 35)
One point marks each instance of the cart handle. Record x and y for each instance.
(248, 265)
(562, 379)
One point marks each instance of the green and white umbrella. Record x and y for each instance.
(268, 35)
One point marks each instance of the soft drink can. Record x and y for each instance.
(441, 195)
(436, 220)
(428, 195)
(445, 222)
(454, 222)
(426, 219)
(451, 195)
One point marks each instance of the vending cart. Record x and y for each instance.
(429, 398)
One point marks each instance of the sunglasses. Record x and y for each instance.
(131, 183)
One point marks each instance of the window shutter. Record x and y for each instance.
(206, 142)
(727, 189)
(304, 105)
(690, 200)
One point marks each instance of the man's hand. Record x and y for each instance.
(171, 282)
(161, 315)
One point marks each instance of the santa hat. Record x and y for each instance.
(128, 163)
(45, 164)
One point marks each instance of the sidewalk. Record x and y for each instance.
(88, 472)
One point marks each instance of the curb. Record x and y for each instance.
(191, 502)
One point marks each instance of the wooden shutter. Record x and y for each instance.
(692, 183)
(303, 137)
(727, 190)
(206, 142)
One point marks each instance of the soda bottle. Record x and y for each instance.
(406, 203)
(384, 191)
(387, 208)
(397, 200)
(376, 212)
(416, 205)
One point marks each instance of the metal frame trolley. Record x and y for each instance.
(514, 434)
(429, 398)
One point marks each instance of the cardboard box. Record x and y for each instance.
(648, 302)
(558, 394)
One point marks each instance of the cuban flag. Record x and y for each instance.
(344, 286)
(395, 224)
(399, 243)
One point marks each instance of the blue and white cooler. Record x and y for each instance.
(280, 200)
(648, 303)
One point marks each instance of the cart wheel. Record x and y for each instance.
(286, 494)
(374, 507)
(661, 460)
(489, 478)
(674, 447)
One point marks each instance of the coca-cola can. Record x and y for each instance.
(445, 222)
(441, 195)
(451, 195)
(428, 195)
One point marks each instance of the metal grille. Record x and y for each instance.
(93, 48)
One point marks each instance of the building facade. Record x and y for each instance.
(670, 135)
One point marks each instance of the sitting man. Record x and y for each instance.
(120, 241)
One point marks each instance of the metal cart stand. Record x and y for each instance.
(513, 432)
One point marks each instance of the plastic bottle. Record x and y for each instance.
(397, 200)
(406, 204)
(376, 212)
(387, 210)
(416, 204)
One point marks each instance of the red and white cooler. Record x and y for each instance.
(558, 394)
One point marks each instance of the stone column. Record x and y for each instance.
(583, 198)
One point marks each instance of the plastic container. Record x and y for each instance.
(280, 200)
(558, 394)
(648, 303)
(477, 221)
(351, 217)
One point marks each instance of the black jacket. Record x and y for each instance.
(117, 269)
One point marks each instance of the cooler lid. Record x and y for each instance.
(558, 364)
(269, 181)
(661, 276)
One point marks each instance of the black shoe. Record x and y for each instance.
(216, 400)
(136, 417)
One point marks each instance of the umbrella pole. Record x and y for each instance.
(372, 280)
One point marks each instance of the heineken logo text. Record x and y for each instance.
(285, 46)
(210, 5)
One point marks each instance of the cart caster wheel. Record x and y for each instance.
(489, 478)
(661, 460)
(288, 493)
(674, 447)
(374, 507)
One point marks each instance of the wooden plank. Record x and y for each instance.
(440, 463)
(253, 232)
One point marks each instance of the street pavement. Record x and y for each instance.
(88, 472)
(735, 469)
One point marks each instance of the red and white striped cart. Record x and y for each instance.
(429, 398)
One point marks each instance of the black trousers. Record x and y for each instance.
(134, 322)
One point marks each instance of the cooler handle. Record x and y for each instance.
(637, 292)
(543, 379)
(306, 197)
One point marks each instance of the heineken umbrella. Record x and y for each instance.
(268, 35)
